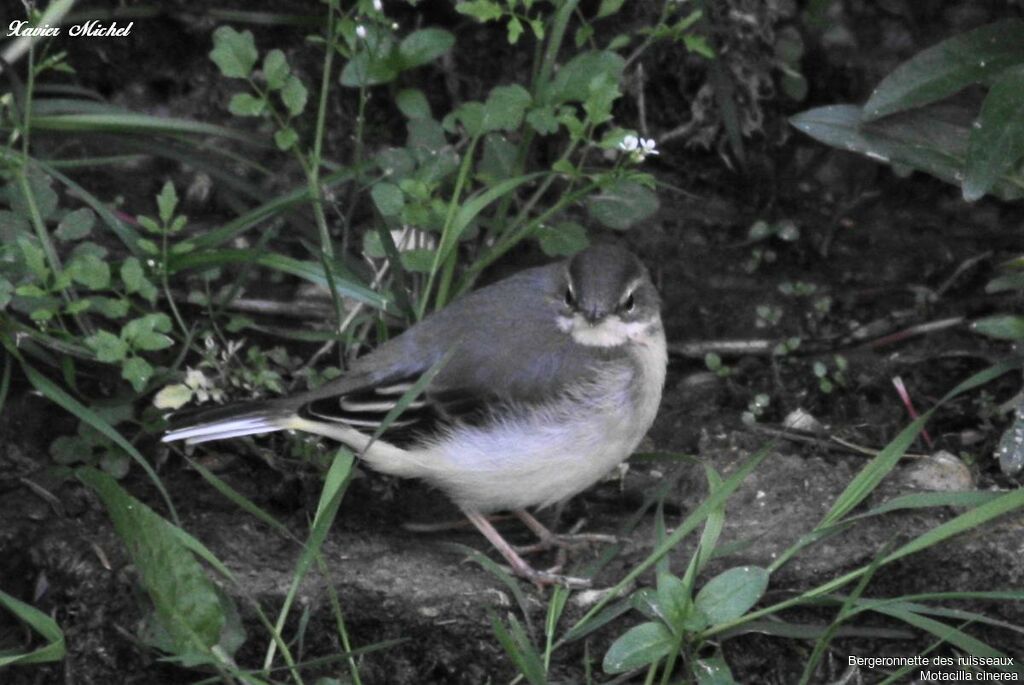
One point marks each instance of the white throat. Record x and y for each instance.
(611, 331)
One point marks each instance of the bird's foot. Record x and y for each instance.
(563, 542)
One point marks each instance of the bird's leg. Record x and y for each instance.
(548, 539)
(518, 564)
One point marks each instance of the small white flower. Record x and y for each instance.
(638, 148)
(378, 5)
(361, 31)
(629, 143)
(647, 147)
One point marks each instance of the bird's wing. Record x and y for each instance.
(504, 348)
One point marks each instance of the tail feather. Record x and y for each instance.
(231, 421)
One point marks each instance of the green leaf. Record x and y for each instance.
(247, 105)
(108, 347)
(499, 158)
(514, 29)
(40, 186)
(35, 260)
(519, 648)
(505, 107)
(1001, 327)
(948, 67)
(609, 7)
(166, 202)
(563, 240)
(234, 53)
(186, 603)
(732, 593)
(622, 205)
(673, 601)
(275, 69)
(997, 138)
(90, 271)
(294, 95)
(423, 46)
(418, 260)
(388, 198)
(132, 274)
(543, 120)
(481, 10)
(76, 225)
(137, 371)
(285, 139)
(930, 139)
(109, 307)
(6, 291)
(639, 646)
(413, 103)
(574, 79)
(146, 332)
(365, 69)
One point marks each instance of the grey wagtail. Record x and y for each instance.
(555, 376)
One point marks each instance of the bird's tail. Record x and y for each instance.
(230, 421)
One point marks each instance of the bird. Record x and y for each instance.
(544, 382)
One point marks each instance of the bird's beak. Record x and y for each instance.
(593, 315)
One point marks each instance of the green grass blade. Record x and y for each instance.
(131, 122)
(309, 271)
(43, 625)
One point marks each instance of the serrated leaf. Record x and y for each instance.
(514, 29)
(498, 161)
(185, 601)
(247, 105)
(622, 205)
(44, 197)
(731, 593)
(543, 120)
(413, 103)
(109, 307)
(997, 137)
(637, 647)
(35, 260)
(572, 83)
(234, 53)
(76, 225)
(294, 95)
(948, 67)
(137, 371)
(505, 107)
(167, 202)
(275, 69)
(90, 271)
(285, 138)
(108, 347)
(388, 198)
(423, 46)
(365, 69)
(562, 240)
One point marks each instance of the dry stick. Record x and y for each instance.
(830, 442)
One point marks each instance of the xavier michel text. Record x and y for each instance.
(88, 29)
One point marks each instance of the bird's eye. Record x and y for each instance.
(570, 297)
(629, 304)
